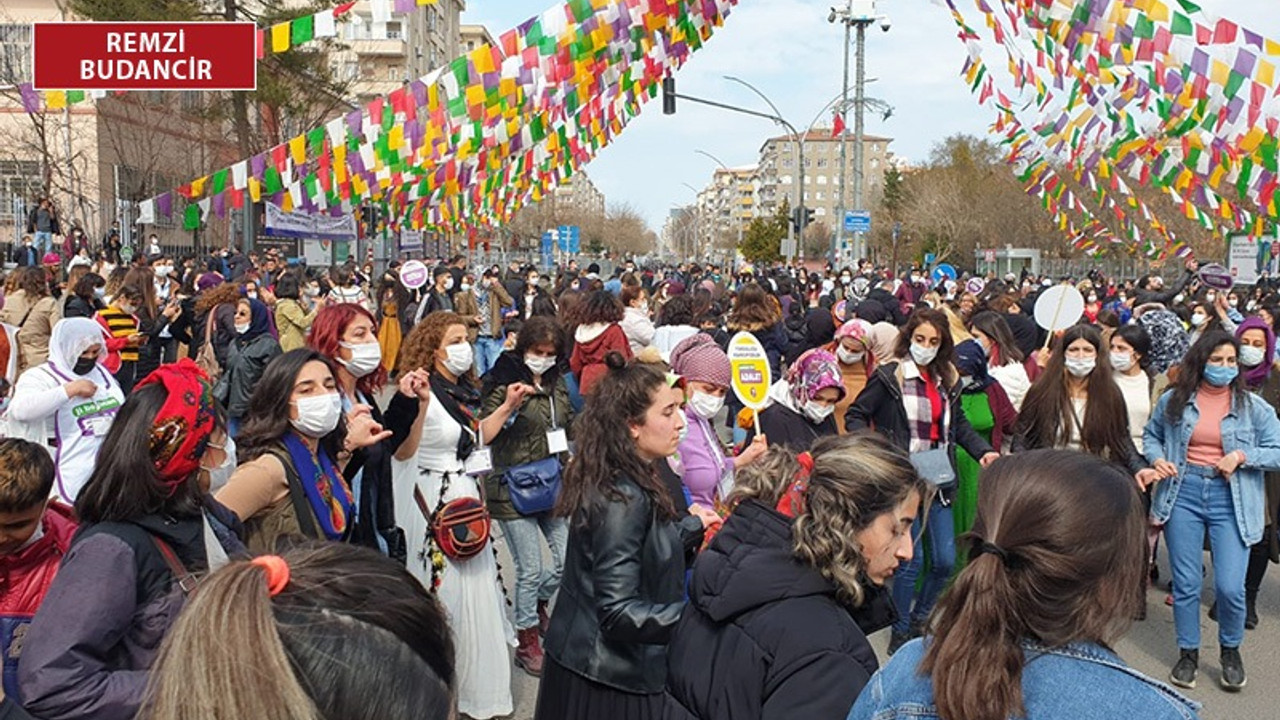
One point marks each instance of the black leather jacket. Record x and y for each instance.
(622, 592)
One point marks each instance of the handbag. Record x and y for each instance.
(205, 358)
(534, 487)
(934, 467)
(460, 527)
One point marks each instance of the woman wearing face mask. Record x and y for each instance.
(85, 298)
(1209, 316)
(636, 322)
(344, 334)
(247, 358)
(539, 431)
(1005, 361)
(802, 403)
(293, 320)
(70, 397)
(296, 444)
(147, 531)
(443, 470)
(121, 325)
(1211, 439)
(624, 573)
(532, 291)
(916, 403)
(856, 360)
(704, 469)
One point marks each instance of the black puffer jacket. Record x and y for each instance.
(765, 636)
(621, 595)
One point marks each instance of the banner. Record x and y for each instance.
(1249, 257)
(306, 225)
(317, 253)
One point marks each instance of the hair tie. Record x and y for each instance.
(988, 548)
(277, 571)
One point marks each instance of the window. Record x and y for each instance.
(822, 179)
(395, 73)
(395, 31)
(822, 162)
(19, 180)
(819, 212)
(15, 54)
(818, 195)
(786, 163)
(786, 179)
(808, 162)
(875, 163)
(351, 71)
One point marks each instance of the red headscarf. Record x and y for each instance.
(184, 424)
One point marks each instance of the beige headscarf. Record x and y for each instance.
(882, 339)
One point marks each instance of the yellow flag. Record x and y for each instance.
(1158, 11)
(55, 99)
(279, 37)
(1266, 73)
(298, 150)
(255, 189)
(197, 186)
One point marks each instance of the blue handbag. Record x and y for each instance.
(535, 486)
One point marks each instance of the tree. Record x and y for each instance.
(817, 239)
(626, 232)
(762, 242)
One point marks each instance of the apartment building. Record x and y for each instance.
(779, 173)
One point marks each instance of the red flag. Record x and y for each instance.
(837, 125)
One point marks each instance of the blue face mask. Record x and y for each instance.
(1220, 375)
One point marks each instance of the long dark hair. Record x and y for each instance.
(994, 326)
(1040, 571)
(1047, 416)
(125, 485)
(755, 309)
(267, 421)
(605, 448)
(1191, 374)
(941, 367)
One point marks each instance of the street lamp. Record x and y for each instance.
(855, 14)
(795, 136)
(737, 199)
(697, 217)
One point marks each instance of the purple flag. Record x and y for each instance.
(1200, 61)
(405, 6)
(1252, 38)
(1245, 62)
(164, 204)
(258, 166)
(30, 98)
(353, 122)
(220, 205)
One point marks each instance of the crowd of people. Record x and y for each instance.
(233, 486)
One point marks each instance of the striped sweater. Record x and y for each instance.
(121, 325)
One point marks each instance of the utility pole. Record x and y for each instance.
(859, 132)
(838, 241)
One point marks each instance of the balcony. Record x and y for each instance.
(378, 48)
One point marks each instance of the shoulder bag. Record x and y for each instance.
(206, 358)
(535, 486)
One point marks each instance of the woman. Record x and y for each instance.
(85, 298)
(856, 363)
(293, 319)
(916, 403)
(747, 648)
(1006, 363)
(215, 304)
(598, 333)
(153, 317)
(70, 397)
(635, 323)
(705, 471)
(539, 433)
(395, 317)
(1257, 343)
(323, 631)
(1075, 405)
(1026, 630)
(1129, 348)
(247, 358)
(296, 444)
(147, 529)
(344, 334)
(675, 323)
(624, 574)
(120, 321)
(990, 413)
(1212, 439)
(443, 472)
(802, 403)
(30, 309)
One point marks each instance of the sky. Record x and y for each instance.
(788, 50)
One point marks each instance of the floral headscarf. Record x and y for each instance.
(812, 373)
(857, 329)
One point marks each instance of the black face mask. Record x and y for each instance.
(84, 366)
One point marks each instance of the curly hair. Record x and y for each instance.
(426, 337)
(217, 295)
(856, 478)
(755, 309)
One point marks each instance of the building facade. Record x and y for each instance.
(779, 173)
(726, 206)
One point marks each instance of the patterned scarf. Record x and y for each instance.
(326, 490)
(181, 430)
(460, 401)
(915, 400)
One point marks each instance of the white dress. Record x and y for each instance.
(469, 589)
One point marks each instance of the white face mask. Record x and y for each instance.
(704, 405)
(1122, 361)
(848, 357)
(1251, 356)
(253, 295)
(923, 355)
(242, 329)
(539, 365)
(365, 358)
(313, 291)
(1081, 367)
(219, 476)
(448, 283)
(1197, 320)
(466, 287)
(459, 358)
(817, 412)
(162, 271)
(318, 415)
(131, 309)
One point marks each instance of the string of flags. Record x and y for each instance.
(472, 142)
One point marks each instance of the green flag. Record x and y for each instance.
(219, 181)
(1181, 24)
(302, 30)
(191, 218)
(1189, 6)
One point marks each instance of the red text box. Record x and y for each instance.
(145, 56)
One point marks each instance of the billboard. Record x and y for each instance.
(1248, 258)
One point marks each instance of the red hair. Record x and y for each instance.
(326, 332)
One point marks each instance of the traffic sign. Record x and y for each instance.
(929, 258)
(857, 221)
(944, 272)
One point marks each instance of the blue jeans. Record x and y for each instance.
(940, 533)
(42, 241)
(534, 582)
(1204, 503)
(487, 351)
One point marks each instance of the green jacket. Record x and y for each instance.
(524, 438)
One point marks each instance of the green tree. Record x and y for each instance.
(762, 241)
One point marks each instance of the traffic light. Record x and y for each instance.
(801, 217)
(668, 96)
(808, 219)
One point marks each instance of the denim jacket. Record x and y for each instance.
(1254, 430)
(1081, 681)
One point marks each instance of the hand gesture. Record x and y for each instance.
(516, 393)
(1229, 463)
(80, 388)
(171, 311)
(758, 447)
(1164, 469)
(707, 516)
(989, 458)
(416, 384)
(1147, 477)
(362, 431)
(135, 340)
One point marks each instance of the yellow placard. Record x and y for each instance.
(749, 367)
